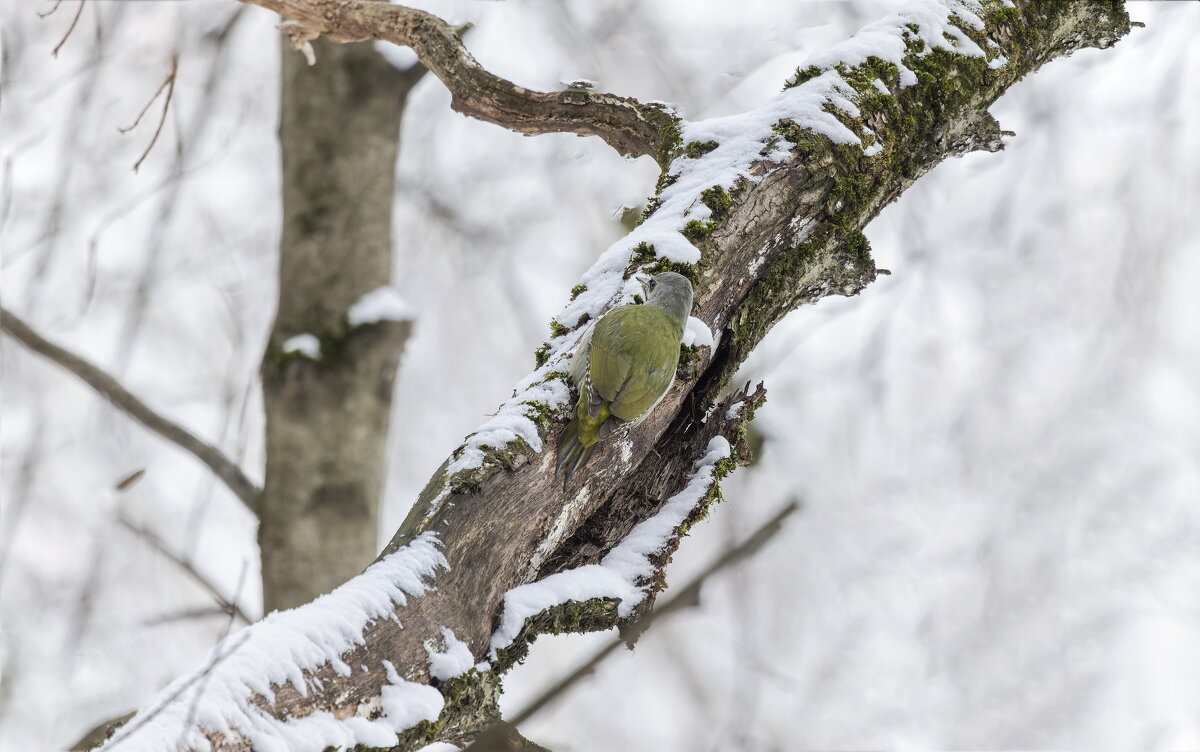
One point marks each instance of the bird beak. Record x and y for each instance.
(645, 287)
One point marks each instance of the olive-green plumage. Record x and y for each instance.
(623, 367)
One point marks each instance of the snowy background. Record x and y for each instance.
(997, 447)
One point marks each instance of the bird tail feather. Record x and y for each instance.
(572, 454)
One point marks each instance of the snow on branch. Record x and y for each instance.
(623, 573)
(629, 126)
(226, 696)
(681, 598)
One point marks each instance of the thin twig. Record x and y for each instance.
(131, 480)
(141, 721)
(187, 614)
(101, 732)
(51, 11)
(229, 607)
(237, 593)
(168, 84)
(107, 387)
(71, 28)
(686, 597)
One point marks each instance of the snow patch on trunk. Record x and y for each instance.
(303, 344)
(381, 304)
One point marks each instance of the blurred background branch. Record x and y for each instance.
(108, 388)
(227, 606)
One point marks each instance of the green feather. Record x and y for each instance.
(624, 365)
(632, 360)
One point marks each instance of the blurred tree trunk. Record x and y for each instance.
(327, 419)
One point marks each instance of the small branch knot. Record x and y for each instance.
(574, 96)
(300, 37)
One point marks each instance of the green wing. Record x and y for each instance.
(634, 353)
(624, 365)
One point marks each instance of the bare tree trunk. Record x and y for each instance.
(327, 418)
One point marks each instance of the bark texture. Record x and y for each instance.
(327, 419)
(792, 237)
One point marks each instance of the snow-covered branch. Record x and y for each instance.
(764, 211)
(629, 126)
(681, 598)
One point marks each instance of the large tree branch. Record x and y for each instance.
(108, 388)
(630, 127)
(765, 211)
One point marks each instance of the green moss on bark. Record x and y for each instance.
(717, 200)
(511, 456)
(644, 253)
(697, 231)
(697, 149)
(691, 271)
(690, 363)
(803, 75)
(572, 617)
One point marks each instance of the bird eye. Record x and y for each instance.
(652, 284)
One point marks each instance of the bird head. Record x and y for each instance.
(671, 292)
